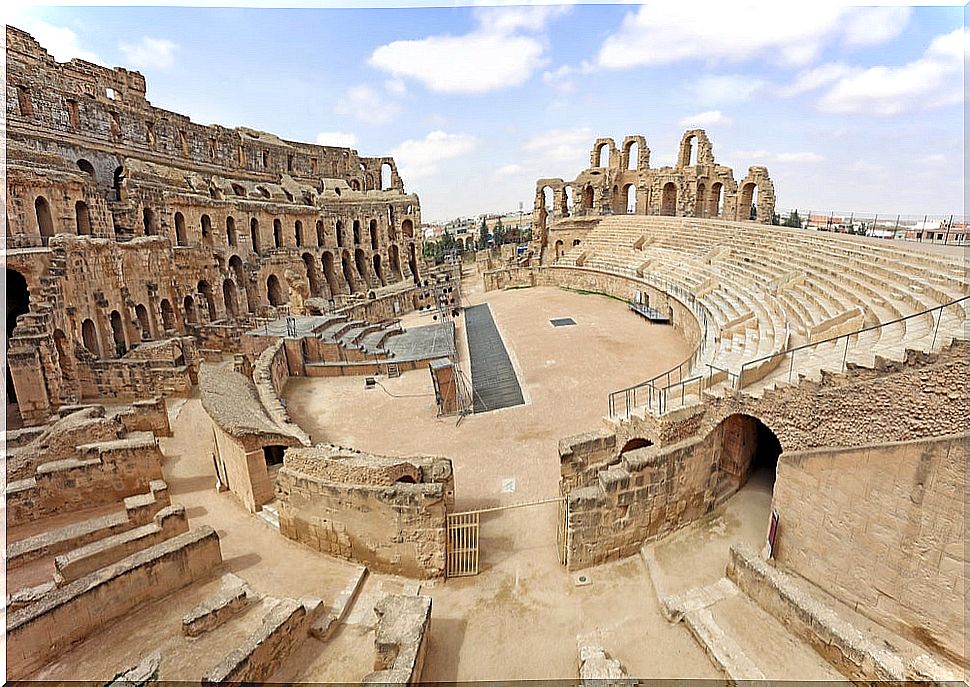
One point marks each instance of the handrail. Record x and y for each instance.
(857, 332)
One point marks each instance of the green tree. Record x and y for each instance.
(793, 220)
(499, 233)
(483, 235)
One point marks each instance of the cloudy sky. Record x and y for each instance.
(850, 108)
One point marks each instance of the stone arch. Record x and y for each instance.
(119, 183)
(298, 233)
(321, 233)
(83, 217)
(148, 221)
(118, 335)
(205, 224)
(18, 303)
(407, 229)
(705, 152)
(340, 234)
(356, 232)
(588, 197)
(635, 443)
(277, 233)
(413, 262)
(210, 301)
(743, 444)
(348, 271)
(386, 177)
(629, 197)
(89, 337)
(231, 297)
(232, 238)
(602, 153)
(180, 236)
(168, 315)
(86, 167)
(700, 200)
(144, 322)
(45, 221)
(714, 200)
(254, 235)
(394, 261)
(747, 205)
(756, 200)
(378, 269)
(312, 276)
(188, 307)
(274, 291)
(373, 234)
(360, 262)
(668, 199)
(559, 249)
(329, 274)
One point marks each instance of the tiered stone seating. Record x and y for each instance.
(799, 286)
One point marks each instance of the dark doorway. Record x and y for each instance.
(18, 303)
(273, 455)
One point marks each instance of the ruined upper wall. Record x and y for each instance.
(88, 103)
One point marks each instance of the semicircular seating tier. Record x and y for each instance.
(768, 289)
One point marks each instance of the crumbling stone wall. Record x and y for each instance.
(181, 227)
(388, 513)
(882, 527)
(695, 187)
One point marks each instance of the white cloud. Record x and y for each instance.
(505, 50)
(559, 79)
(395, 87)
(724, 89)
(571, 145)
(793, 33)
(367, 105)
(933, 159)
(149, 53)
(339, 139)
(60, 41)
(708, 118)
(810, 79)
(764, 156)
(509, 170)
(418, 159)
(933, 80)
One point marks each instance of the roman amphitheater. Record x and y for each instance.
(253, 435)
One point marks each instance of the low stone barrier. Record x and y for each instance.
(232, 598)
(401, 640)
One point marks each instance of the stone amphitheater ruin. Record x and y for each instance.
(241, 446)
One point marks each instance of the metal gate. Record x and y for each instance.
(462, 554)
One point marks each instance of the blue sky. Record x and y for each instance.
(850, 108)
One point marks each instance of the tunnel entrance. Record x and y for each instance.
(18, 303)
(746, 449)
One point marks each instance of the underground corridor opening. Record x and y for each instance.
(745, 450)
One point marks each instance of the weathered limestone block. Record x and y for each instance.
(401, 639)
(598, 669)
(142, 674)
(234, 597)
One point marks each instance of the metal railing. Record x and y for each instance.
(944, 229)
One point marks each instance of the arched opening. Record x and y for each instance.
(394, 258)
(119, 181)
(360, 261)
(274, 291)
(354, 185)
(340, 234)
(356, 232)
(385, 177)
(83, 217)
(745, 450)
(668, 199)
(632, 155)
(230, 297)
(18, 303)
(547, 198)
(603, 155)
(413, 263)
(321, 233)
(144, 322)
(89, 337)
(405, 479)
(378, 269)
(568, 195)
(298, 232)
(210, 301)
(630, 195)
(118, 334)
(188, 307)
(236, 266)
(373, 234)
(348, 272)
(407, 228)
(588, 197)
(206, 225)
(329, 274)
(311, 274)
(559, 249)
(277, 233)
(180, 238)
(714, 200)
(45, 222)
(168, 315)
(748, 205)
(88, 169)
(688, 156)
(635, 443)
(700, 204)
(254, 234)
(232, 239)
(148, 219)
(576, 242)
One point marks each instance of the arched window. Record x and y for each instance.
(254, 234)
(83, 218)
(168, 315)
(714, 200)
(360, 261)
(379, 269)
(340, 234)
(632, 155)
(230, 297)
(206, 225)
(407, 228)
(748, 205)
(210, 302)
(298, 232)
(119, 180)
(144, 323)
(232, 240)
(87, 168)
(180, 237)
(45, 222)
(277, 233)
(329, 274)
(385, 176)
(603, 155)
(373, 234)
(148, 219)
(311, 274)
(356, 232)
(188, 306)
(321, 233)
(118, 333)
(348, 272)
(668, 199)
(274, 292)
(89, 336)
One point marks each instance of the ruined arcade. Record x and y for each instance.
(255, 435)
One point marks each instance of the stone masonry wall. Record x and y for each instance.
(882, 527)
